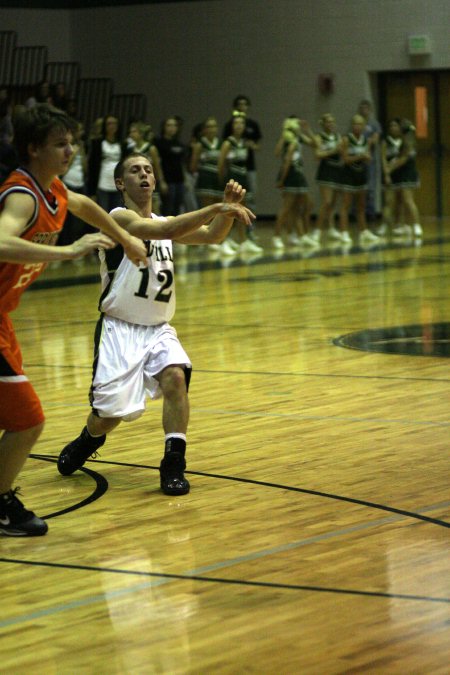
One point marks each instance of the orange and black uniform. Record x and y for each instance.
(20, 407)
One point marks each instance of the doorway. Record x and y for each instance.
(423, 96)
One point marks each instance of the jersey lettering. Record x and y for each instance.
(142, 291)
(164, 276)
(161, 253)
(29, 272)
(47, 238)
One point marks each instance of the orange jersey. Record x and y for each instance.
(44, 227)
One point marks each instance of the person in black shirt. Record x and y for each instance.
(173, 154)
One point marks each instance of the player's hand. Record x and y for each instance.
(136, 251)
(234, 192)
(89, 243)
(237, 211)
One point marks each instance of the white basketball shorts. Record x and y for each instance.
(130, 356)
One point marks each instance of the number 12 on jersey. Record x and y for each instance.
(166, 279)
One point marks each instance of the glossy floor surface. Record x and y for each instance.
(315, 538)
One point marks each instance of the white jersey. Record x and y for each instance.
(140, 295)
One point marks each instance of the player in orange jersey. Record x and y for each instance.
(33, 207)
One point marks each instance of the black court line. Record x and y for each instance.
(278, 486)
(101, 486)
(327, 495)
(232, 582)
(265, 373)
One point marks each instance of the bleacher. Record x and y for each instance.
(23, 67)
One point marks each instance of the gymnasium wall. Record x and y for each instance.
(50, 28)
(191, 58)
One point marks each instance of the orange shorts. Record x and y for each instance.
(20, 408)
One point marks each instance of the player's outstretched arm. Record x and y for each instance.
(16, 214)
(178, 227)
(91, 213)
(230, 209)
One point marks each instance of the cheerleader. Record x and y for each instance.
(205, 155)
(328, 152)
(400, 175)
(355, 155)
(295, 210)
(232, 164)
(203, 165)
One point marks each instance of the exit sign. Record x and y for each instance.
(419, 44)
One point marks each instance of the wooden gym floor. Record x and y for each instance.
(315, 537)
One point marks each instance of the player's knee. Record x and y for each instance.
(28, 437)
(35, 430)
(173, 382)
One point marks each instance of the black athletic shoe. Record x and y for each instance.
(74, 455)
(16, 520)
(171, 471)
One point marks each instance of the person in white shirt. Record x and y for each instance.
(104, 153)
(75, 179)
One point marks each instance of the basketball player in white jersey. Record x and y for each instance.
(137, 352)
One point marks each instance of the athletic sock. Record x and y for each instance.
(92, 441)
(175, 443)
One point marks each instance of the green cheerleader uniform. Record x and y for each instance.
(329, 169)
(207, 184)
(393, 147)
(406, 177)
(354, 176)
(237, 162)
(295, 181)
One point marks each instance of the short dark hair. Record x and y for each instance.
(241, 97)
(119, 168)
(34, 125)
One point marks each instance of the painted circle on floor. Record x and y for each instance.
(431, 339)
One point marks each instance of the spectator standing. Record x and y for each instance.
(75, 179)
(372, 132)
(140, 140)
(104, 153)
(173, 154)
